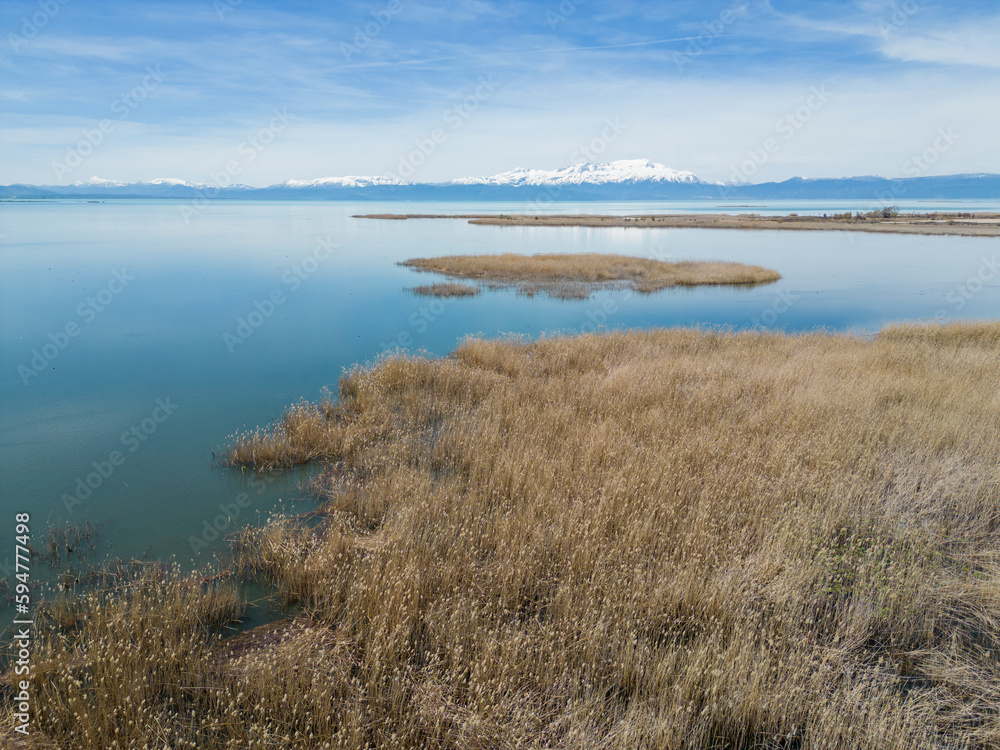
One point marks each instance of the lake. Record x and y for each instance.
(133, 342)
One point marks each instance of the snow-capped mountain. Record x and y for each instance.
(171, 181)
(624, 180)
(99, 182)
(349, 181)
(104, 183)
(597, 173)
(157, 187)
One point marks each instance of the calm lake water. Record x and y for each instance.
(132, 342)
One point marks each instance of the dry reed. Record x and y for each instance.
(665, 539)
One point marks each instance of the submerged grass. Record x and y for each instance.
(666, 539)
(577, 275)
(446, 289)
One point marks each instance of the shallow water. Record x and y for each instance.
(160, 369)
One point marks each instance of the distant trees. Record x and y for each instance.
(889, 212)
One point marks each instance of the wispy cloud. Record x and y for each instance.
(914, 32)
(557, 81)
(519, 53)
(976, 46)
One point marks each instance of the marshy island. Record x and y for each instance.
(578, 275)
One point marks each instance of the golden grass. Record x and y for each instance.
(666, 539)
(130, 666)
(577, 275)
(306, 432)
(446, 289)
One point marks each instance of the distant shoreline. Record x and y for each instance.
(962, 224)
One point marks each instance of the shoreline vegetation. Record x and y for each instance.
(578, 275)
(679, 539)
(884, 220)
(446, 289)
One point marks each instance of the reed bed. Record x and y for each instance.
(666, 539)
(129, 665)
(446, 289)
(577, 275)
(306, 432)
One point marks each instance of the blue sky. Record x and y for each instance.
(186, 88)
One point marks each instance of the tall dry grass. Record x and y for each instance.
(576, 275)
(671, 539)
(306, 432)
(130, 665)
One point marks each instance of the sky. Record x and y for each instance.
(258, 92)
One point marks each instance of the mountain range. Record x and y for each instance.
(624, 180)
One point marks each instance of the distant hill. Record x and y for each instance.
(624, 180)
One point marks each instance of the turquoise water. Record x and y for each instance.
(132, 343)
